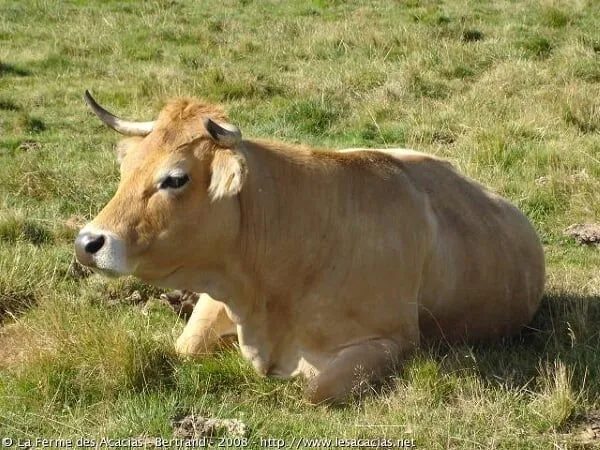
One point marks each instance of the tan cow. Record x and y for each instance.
(333, 265)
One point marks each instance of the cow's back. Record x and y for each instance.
(484, 275)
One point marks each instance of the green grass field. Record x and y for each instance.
(508, 90)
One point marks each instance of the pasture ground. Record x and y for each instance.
(508, 90)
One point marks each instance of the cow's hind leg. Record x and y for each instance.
(208, 323)
(354, 368)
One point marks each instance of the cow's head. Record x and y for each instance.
(175, 209)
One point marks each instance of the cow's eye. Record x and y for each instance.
(174, 181)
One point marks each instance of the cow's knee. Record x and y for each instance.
(193, 345)
(208, 323)
(355, 370)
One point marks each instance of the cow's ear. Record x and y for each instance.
(224, 134)
(124, 145)
(228, 172)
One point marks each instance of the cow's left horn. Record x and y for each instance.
(226, 134)
(122, 126)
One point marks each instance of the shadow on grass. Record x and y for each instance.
(566, 328)
(8, 105)
(11, 69)
(14, 302)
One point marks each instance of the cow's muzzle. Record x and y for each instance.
(87, 245)
(101, 250)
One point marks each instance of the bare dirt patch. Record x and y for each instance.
(28, 145)
(194, 427)
(587, 429)
(584, 233)
(12, 350)
(182, 302)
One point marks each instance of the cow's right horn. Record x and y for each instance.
(121, 126)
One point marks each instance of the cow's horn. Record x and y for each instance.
(122, 126)
(222, 132)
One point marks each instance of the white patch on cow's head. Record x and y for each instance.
(228, 172)
(111, 259)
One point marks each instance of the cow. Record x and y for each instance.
(333, 265)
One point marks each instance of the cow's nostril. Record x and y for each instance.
(94, 244)
(87, 245)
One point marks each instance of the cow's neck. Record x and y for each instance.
(282, 207)
(294, 208)
(227, 283)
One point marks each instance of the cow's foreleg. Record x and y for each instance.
(208, 323)
(355, 368)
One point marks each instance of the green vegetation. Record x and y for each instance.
(509, 91)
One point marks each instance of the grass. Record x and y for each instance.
(509, 91)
